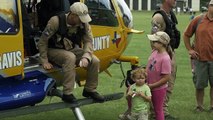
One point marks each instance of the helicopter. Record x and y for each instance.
(23, 81)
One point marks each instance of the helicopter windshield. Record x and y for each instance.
(127, 15)
(102, 13)
(8, 16)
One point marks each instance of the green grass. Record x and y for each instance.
(181, 103)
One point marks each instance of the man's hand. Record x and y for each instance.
(83, 62)
(193, 54)
(47, 66)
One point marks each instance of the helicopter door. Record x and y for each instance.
(105, 27)
(11, 38)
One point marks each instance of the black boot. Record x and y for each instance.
(94, 95)
(69, 98)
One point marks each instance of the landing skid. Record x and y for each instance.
(59, 105)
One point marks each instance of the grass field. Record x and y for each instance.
(181, 103)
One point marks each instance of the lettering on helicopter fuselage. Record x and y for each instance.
(22, 95)
(101, 42)
(10, 59)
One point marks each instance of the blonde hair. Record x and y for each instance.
(169, 51)
(138, 71)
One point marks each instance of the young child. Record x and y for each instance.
(159, 70)
(128, 83)
(140, 95)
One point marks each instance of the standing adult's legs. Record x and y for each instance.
(211, 84)
(170, 88)
(200, 78)
(211, 97)
(199, 97)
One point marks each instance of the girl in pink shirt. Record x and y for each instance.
(159, 70)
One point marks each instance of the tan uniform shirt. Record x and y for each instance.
(51, 29)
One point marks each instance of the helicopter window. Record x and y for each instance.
(127, 16)
(8, 17)
(102, 12)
